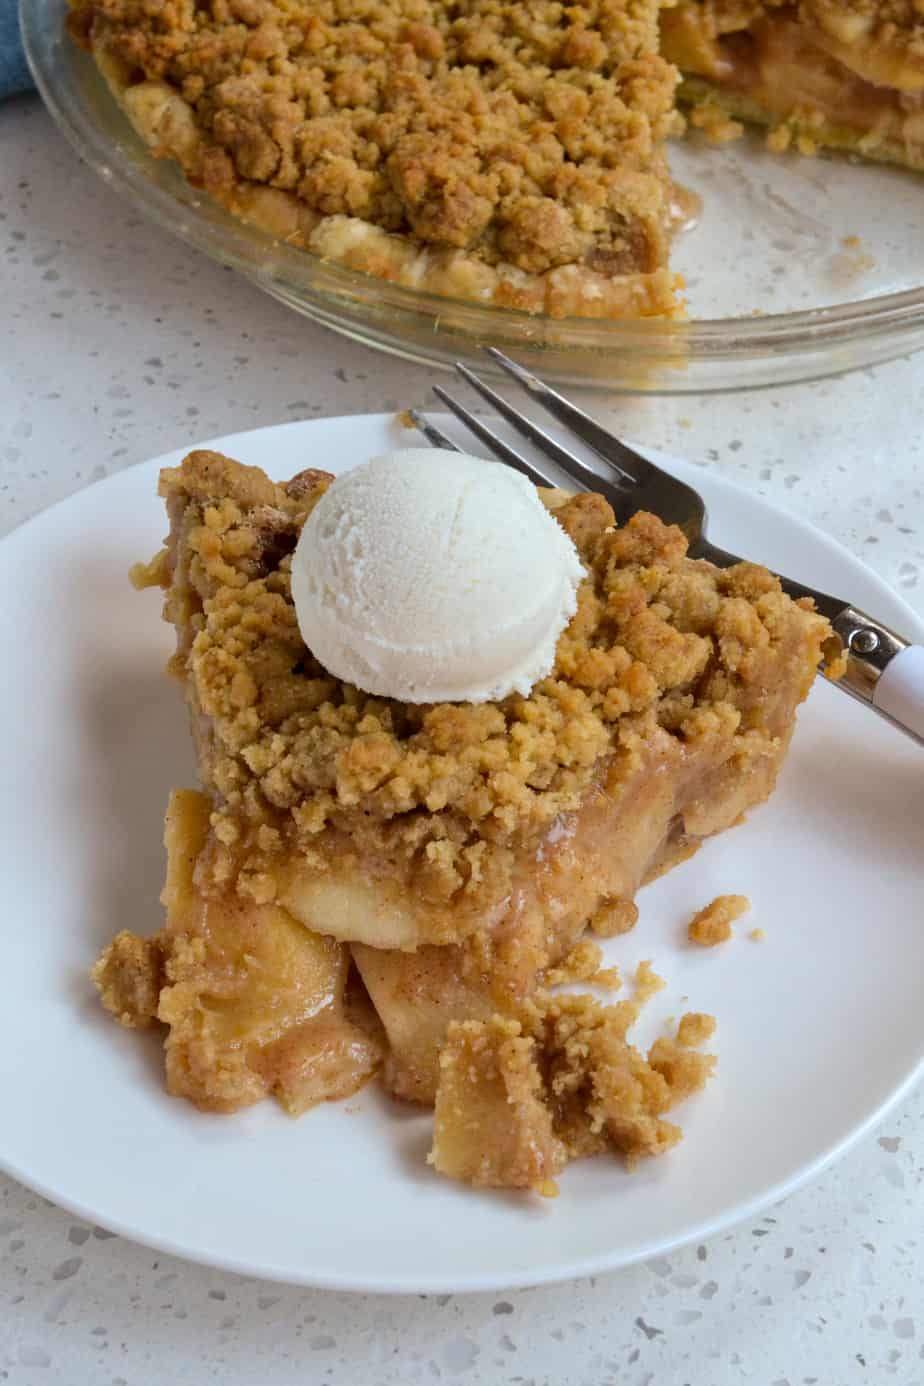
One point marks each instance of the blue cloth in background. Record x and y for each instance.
(14, 74)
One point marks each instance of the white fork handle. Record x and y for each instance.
(884, 670)
(899, 692)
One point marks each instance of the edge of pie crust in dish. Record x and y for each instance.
(365, 885)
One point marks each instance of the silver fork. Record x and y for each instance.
(884, 671)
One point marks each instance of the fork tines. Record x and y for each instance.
(584, 477)
(433, 435)
(634, 468)
(503, 451)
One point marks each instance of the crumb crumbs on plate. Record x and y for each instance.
(695, 1028)
(647, 982)
(712, 924)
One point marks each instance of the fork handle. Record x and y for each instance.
(900, 691)
(883, 670)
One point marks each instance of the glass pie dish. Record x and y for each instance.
(795, 268)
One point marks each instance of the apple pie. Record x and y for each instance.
(508, 152)
(365, 885)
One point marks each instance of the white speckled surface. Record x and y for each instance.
(120, 344)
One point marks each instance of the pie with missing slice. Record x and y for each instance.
(362, 884)
(508, 152)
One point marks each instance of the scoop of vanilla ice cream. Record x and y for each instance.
(431, 576)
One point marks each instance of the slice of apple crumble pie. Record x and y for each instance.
(362, 881)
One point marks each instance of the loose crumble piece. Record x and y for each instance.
(712, 924)
(614, 917)
(584, 964)
(695, 1028)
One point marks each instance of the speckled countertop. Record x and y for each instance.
(120, 344)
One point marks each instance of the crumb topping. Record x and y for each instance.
(506, 152)
(659, 644)
(603, 1093)
(695, 1028)
(526, 131)
(712, 924)
(584, 963)
(614, 917)
(129, 977)
(519, 1098)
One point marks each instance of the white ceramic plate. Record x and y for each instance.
(820, 1026)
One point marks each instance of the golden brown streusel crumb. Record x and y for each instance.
(757, 935)
(129, 975)
(584, 964)
(712, 924)
(695, 1028)
(647, 983)
(615, 917)
(685, 1071)
(716, 124)
(660, 646)
(153, 574)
